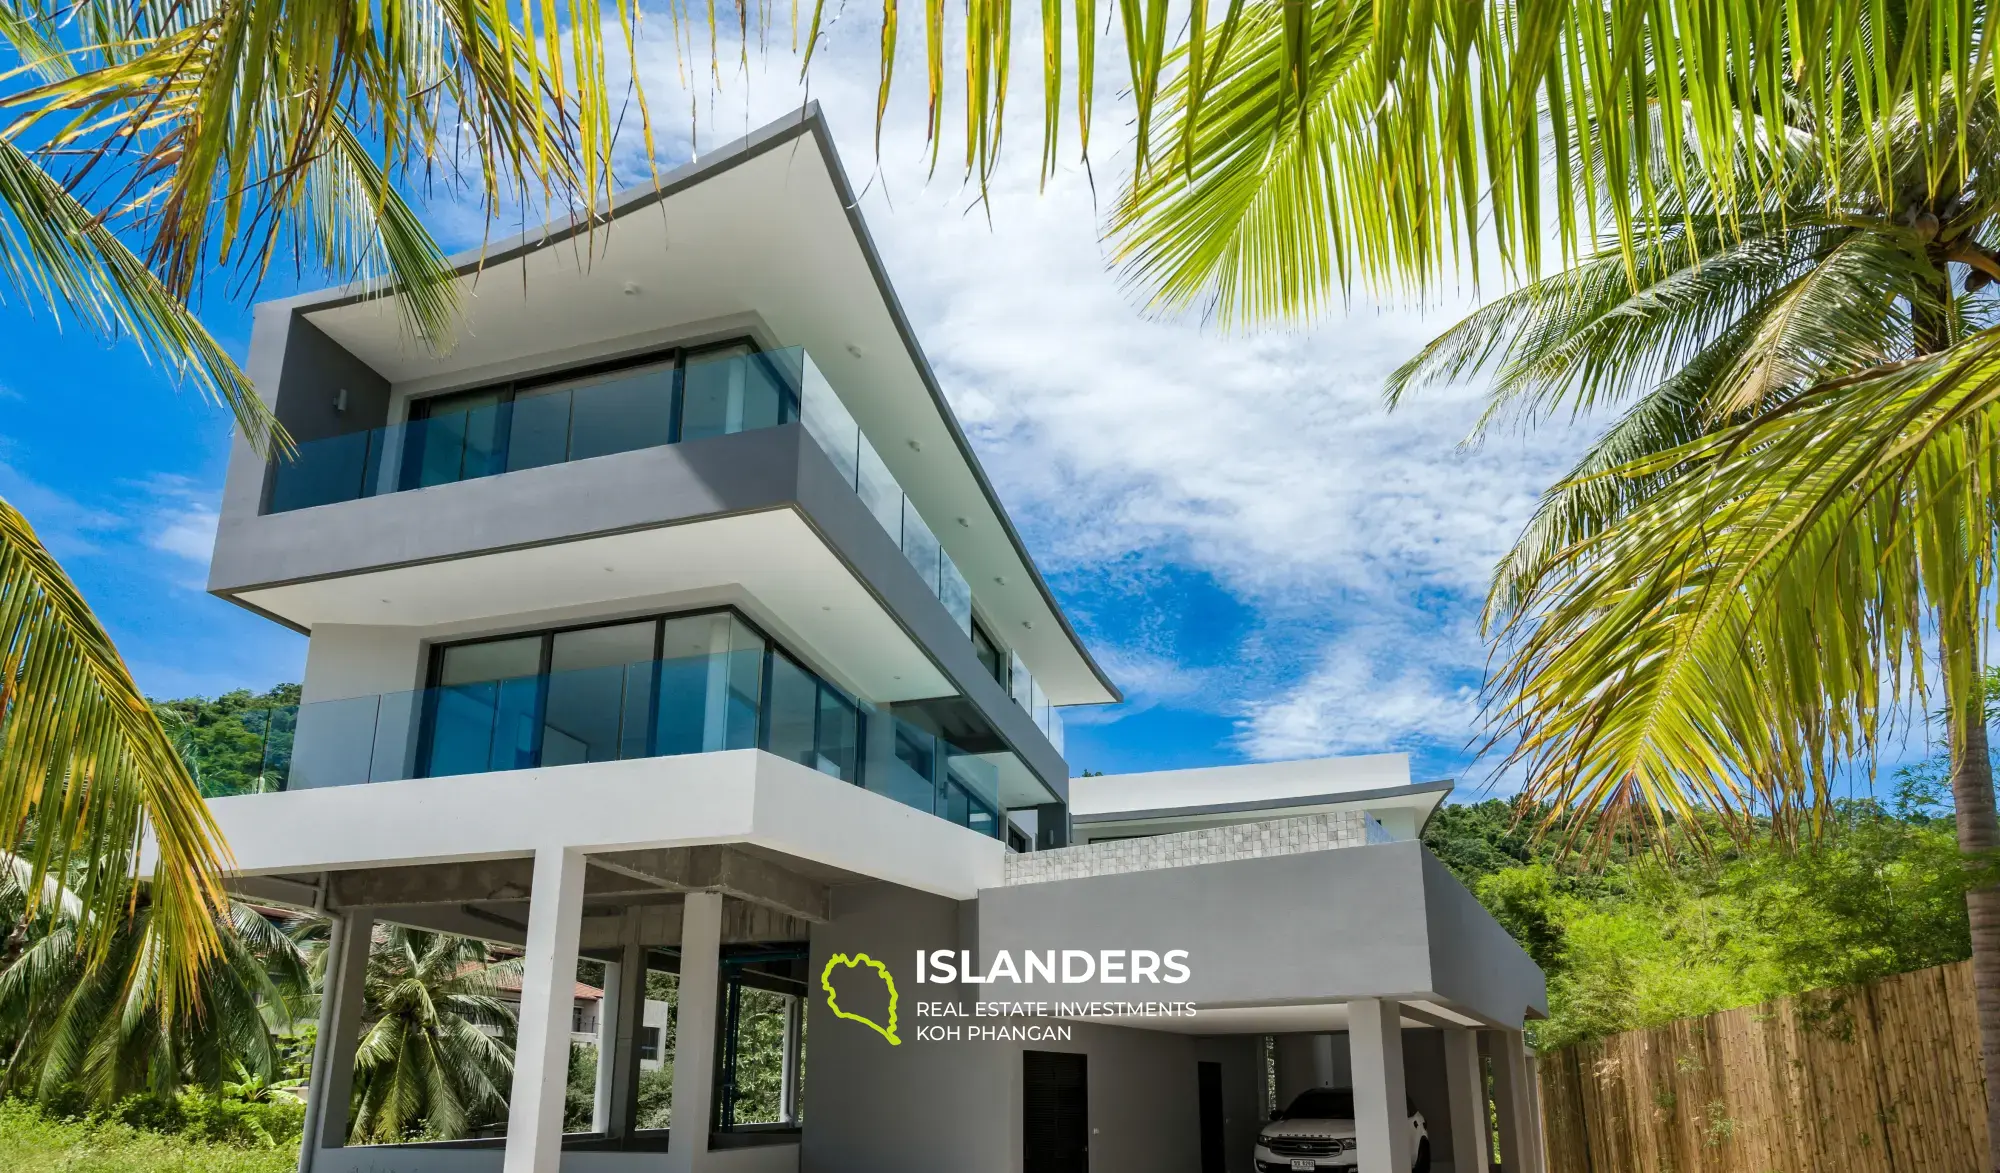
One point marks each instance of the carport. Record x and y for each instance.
(1369, 966)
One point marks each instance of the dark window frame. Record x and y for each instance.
(434, 672)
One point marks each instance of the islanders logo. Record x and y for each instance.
(833, 998)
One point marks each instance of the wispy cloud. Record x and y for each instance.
(182, 519)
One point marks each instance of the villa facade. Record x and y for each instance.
(667, 619)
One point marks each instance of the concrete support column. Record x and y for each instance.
(694, 1032)
(608, 1011)
(622, 1114)
(1465, 1079)
(332, 1081)
(548, 994)
(1509, 1053)
(1381, 1109)
(788, 1095)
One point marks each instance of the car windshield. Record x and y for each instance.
(1322, 1103)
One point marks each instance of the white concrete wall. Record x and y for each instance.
(738, 796)
(351, 661)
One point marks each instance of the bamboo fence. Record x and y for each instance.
(1883, 1078)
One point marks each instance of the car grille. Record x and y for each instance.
(1301, 1146)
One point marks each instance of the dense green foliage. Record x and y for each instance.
(34, 1141)
(1633, 936)
(236, 743)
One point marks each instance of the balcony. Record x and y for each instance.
(745, 693)
(626, 409)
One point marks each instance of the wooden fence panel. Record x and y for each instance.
(1881, 1079)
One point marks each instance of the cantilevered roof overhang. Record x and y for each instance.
(765, 231)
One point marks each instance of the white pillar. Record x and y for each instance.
(694, 1032)
(1381, 1110)
(1508, 1049)
(330, 1087)
(608, 1011)
(548, 994)
(1465, 1079)
(623, 1113)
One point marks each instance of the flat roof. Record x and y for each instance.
(766, 230)
(1378, 780)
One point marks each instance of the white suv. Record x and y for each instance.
(1317, 1132)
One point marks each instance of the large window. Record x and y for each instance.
(668, 685)
(618, 406)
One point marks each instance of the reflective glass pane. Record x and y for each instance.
(463, 721)
(714, 393)
(333, 742)
(955, 593)
(625, 411)
(338, 468)
(838, 746)
(494, 659)
(734, 390)
(826, 418)
(794, 707)
(539, 432)
(879, 492)
(920, 546)
(912, 774)
(591, 701)
(486, 430)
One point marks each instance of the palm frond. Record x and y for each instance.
(86, 769)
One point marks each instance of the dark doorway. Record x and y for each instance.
(1055, 1112)
(1209, 1077)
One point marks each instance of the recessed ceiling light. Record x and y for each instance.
(916, 447)
(854, 350)
(1027, 623)
(966, 524)
(632, 289)
(998, 581)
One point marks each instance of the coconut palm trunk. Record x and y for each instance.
(1978, 839)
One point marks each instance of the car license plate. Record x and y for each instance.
(1305, 1163)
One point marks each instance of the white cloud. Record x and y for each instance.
(1360, 539)
(185, 530)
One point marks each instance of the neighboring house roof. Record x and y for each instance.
(510, 983)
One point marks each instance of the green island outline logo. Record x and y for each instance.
(833, 1000)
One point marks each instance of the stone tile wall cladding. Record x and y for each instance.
(1290, 836)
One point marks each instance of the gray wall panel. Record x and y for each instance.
(1476, 962)
(1323, 926)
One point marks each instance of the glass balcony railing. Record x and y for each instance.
(621, 412)
(1028, 694)
(745, 698)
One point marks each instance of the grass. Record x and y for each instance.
(33, 1143)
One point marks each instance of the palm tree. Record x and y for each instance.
(149, 142)
(436, 1056)
(1793, 517)
(112, 1029)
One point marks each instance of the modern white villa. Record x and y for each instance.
(668, 620)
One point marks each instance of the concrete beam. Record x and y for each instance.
(725, 871)
(658, 925)
(275, 890)
(433, 883)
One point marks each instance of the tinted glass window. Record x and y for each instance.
(1322, 1103)
(990, 656)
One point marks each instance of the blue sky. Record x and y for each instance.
(1270, 564)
